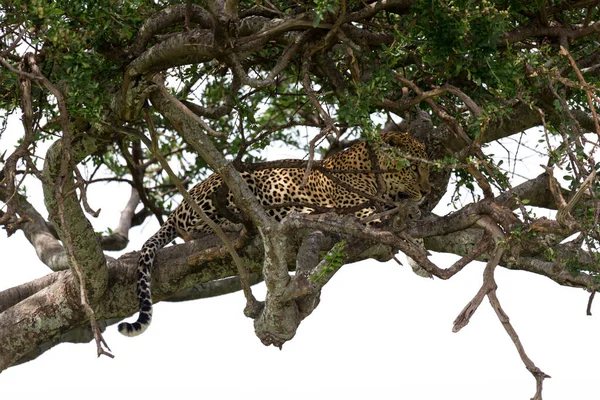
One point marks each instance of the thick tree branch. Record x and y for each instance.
(166, 18)
(214, 288)
(36, 230)
(85, 241)
(38, 319)
(535, 31)
(178, 270)
(57, 308)
(128, 213)
(397, 6)
(15, 295)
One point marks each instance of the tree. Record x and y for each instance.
(129, 88)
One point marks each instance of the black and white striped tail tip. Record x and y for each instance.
(135, 329)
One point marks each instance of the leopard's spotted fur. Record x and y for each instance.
(337, 184)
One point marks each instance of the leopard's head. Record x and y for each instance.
(408, 156)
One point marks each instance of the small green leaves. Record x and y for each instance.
(334, 259)
(323, 8)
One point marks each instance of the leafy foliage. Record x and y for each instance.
(334, 259)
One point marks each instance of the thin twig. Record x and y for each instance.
(455, 127)
(329, 124)
(189, 113)
(81, 184)
(588, 93)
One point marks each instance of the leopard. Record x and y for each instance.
(390, 169)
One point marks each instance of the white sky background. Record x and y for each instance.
(380, 332)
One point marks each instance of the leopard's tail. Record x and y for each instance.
(147, 255)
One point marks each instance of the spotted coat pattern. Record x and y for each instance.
(342, 181)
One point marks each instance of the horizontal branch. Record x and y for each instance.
(464, 242)
(55, 310)
(199, 45)
(213, 288)
(181, 272)
(536, 31)
(15, 295)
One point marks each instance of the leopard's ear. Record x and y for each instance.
(396, 138)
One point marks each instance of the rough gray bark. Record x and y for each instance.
(85, 241)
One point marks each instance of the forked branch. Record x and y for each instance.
(488, 288)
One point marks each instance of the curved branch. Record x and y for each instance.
(283, 61)
(166, 18)
(36, 230)
(196, 46)
(218, 111)
(119, 238)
